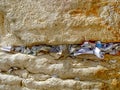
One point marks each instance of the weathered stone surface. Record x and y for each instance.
(10, 80)
(32, 22)
(59, 22)
(36, 72)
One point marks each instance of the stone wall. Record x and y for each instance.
(60, 22)
(26, 72)
(33, 22)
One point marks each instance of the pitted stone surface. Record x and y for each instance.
(59, 22)
(44, 72)
(55, 22)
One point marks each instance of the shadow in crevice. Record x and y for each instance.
(2, 32)
(4, 24)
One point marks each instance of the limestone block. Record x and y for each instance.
(10, 80)
(53, 83)
(44, 72)
(21, 73)
(14, 87)
(39, 77)
(59, 22)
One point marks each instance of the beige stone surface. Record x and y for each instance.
(46, 73)
(59, 22)
(32, 22)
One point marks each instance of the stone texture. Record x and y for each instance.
(36, 72)
(59, 22)
(33, 22)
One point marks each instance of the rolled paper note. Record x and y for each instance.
(55, 49)
(76, 54)
(98, 53)
(7, 49)
(83, 51)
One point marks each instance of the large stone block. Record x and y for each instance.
(59, 22)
